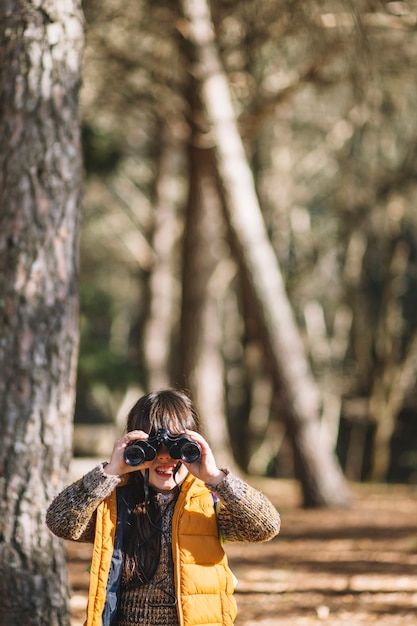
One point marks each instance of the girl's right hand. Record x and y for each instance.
(117, 465)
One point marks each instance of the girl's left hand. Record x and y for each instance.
(205, 468)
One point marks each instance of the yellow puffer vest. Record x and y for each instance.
(203, 581)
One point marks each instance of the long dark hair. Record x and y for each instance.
(171, 409)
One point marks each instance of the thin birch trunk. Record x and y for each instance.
(163, 314)
(206, 277)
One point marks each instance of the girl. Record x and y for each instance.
(158, 527)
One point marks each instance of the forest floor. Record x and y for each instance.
(336, 567)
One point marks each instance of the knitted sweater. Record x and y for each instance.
(156, 597)
(244, 514)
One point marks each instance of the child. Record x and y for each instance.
(158, 523)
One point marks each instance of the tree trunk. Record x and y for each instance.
(393, 376)
(40, 183)
(320, 475)
(163, 314)
(205, 278)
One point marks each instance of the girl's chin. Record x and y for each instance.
(163, 485)
(166, 482)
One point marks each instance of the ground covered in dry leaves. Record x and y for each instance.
(335, 567)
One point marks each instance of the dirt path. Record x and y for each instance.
(349, 567)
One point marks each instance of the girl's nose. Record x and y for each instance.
(163, 452)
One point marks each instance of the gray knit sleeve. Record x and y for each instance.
(244, 514)
(71, 515)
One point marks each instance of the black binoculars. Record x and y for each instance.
(179, 446)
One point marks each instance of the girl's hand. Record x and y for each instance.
(205, 468)
(118, 465)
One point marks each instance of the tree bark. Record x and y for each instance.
(205, 279)
(40, 185)
(320, 475)
(395, 373)
(163, 288)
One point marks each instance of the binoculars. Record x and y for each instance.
(180, 447)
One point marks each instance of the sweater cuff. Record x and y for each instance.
(99, 484)
(230, 488)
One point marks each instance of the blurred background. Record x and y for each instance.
(324, 95)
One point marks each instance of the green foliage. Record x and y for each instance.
(100, 364)
(101, 150)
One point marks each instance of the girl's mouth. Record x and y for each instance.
(164, 471)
